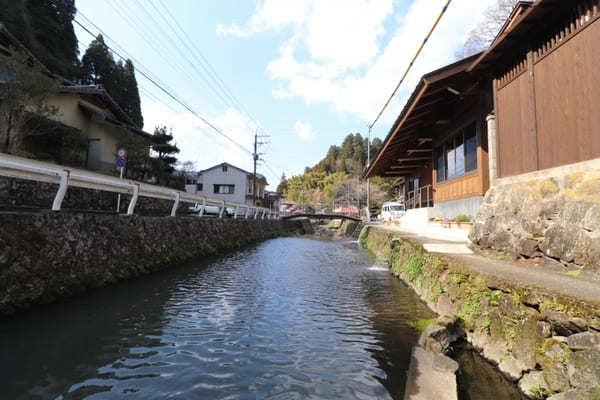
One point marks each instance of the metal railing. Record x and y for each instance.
(419, 198)
(23, 168)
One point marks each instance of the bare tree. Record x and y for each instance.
(484, 33)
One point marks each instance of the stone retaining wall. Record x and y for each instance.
(546, 343)
(48, 256)
(549, 216)
(20, 193)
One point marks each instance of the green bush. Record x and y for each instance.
(463, 218)
(414, 267)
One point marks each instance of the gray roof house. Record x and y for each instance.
(228, 182)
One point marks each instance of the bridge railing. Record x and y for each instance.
(23, 168)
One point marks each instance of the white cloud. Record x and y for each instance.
(304, 130)
(199, 143)
(335, 53)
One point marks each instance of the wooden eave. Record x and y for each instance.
(541, 17)
(430, 100)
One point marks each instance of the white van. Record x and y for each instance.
(392, 211)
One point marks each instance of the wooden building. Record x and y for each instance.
(545, 72)
(437, 148)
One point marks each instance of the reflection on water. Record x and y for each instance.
(292, 318)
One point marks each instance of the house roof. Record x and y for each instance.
(92, 112)
(520, 30)
(101, 94)
(8, 40)
(258, 176)
(427, 105)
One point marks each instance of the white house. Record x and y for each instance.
(227, 182)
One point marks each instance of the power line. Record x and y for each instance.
(193, 49)
(147, 34)
(437, 21)
(172, 96)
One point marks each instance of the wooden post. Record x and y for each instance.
(531, 110)
(498, 129)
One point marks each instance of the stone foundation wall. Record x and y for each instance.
(48, 256)
(548, 344)
(556, 217)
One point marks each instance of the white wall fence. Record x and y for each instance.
(23, 168)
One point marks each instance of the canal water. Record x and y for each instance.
(292, 318)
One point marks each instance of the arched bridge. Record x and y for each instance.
(322, 216)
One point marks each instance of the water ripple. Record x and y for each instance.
(290, 319)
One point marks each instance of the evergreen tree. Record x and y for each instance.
(99, 67)
(163, 162)
(117, 78)
(130, 98)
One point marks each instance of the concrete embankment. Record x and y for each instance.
(545, 341)
(49, 256)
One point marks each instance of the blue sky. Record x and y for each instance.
(304, 72)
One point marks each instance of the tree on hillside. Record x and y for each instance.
(162, 164)
(45, 27)
(118, 78)
(485, 31)
(283, 186)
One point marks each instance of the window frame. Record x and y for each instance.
(217, 188)
(441, 153)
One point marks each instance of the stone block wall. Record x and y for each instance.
(546, 343)
(20, 194)
(48, 256)
(555, 217)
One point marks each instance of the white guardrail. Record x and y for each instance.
(23, 168)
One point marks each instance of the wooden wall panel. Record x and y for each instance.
(460, 188)
(567, 87)
(516, 139)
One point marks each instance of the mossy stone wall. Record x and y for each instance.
(528, 333)
(48, 256)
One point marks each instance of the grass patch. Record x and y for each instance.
(539, 391)
(436, 291)
(421, 324)
(574, 272)
(470, 311)
(499, 257)
(458, 277)
(414, 267)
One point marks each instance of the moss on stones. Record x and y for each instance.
(512, 323)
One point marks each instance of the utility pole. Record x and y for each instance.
(368, 166)
(255, 157)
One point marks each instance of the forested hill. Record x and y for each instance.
(45, 27)
(349, 158)
(338, 177)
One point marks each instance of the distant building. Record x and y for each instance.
(273, 200)
(228, 182)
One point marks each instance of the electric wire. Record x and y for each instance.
(387, 103)
(195, 52)
(172, 96)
